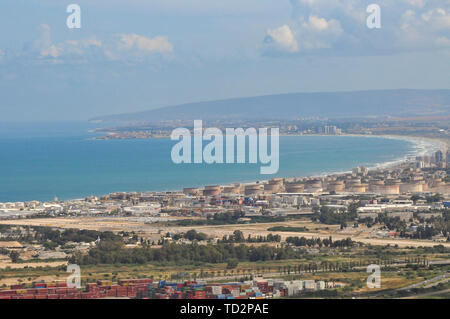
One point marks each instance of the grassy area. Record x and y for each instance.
(353, 281)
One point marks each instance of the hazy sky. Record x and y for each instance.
(134, 55)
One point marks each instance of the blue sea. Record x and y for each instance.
(40, 161)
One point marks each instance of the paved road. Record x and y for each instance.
(428, 283)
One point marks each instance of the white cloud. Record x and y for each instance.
(315, 33)
(281, 39)
(319, 33)
(415, 3)
(158, 44)
(319, 24)
(437, 19)
(430, 28)
(340, 26)
(91, 42)
(133, 48)
(52, 51)
(123, 47)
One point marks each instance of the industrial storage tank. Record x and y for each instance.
(444, 189)
(272, 188)
(294, 188)
(336, 186)
(437, 182)
(389, 189)
(361, 188)
(354, 183)
(254, 189)
(232, 189)
(411, 188)
(376, 185)
(276, 181)
(439, 186)
(313, 185)
(192, 191)
(211, 190)
(393, 181)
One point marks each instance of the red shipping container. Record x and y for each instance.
(15, 287)
(7, 292)
(111, 293)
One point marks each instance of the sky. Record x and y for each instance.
(135, 55)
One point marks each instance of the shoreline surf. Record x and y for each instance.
(419, 146)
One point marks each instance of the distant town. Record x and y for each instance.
(421, 126)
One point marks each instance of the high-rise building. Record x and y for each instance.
(438, 157)
(332, 130)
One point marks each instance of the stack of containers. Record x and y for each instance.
(40, 284)
(263, 286)
(121, 291)
(16, 287)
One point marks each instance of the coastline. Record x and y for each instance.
(419, 146)
(423, 145)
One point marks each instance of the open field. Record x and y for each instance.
(316, 230)
(350, 281)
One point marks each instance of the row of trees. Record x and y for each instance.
(53, 237)
(327, 242)
(227, 218)
(190, 235)
(113, 252)
(238, 237)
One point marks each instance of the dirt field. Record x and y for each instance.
(131, 224)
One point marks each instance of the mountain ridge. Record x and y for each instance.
(367, 103)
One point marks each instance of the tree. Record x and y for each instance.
(14, 255)
(415, 198)
(238, 236)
